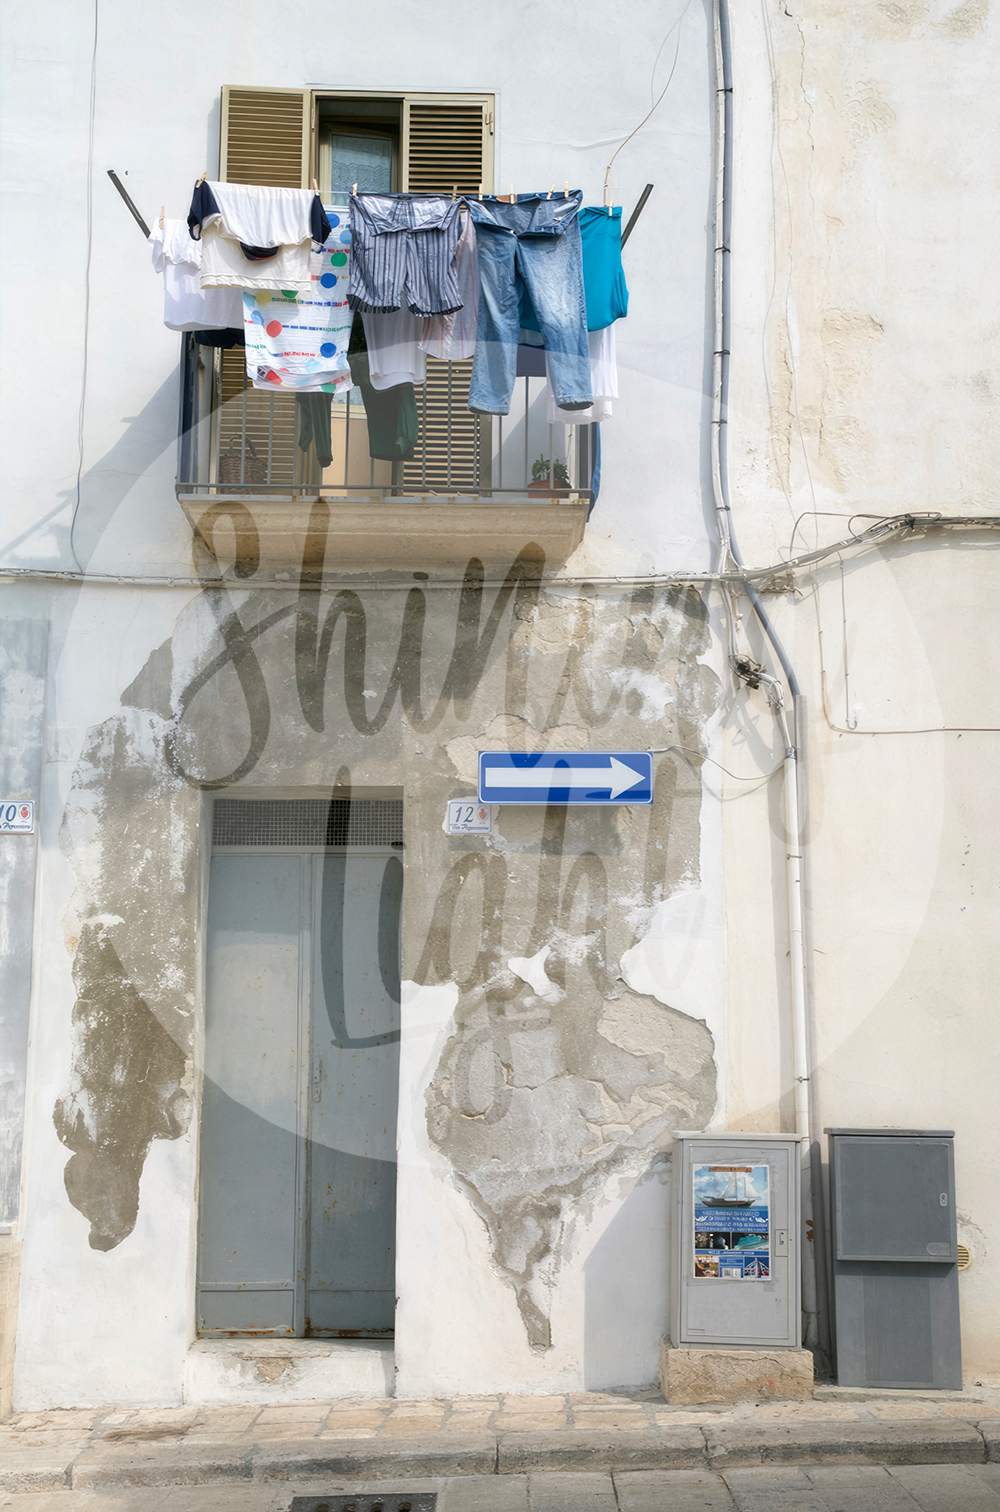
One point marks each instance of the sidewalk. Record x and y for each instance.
(270, 1450)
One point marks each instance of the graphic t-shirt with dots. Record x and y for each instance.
(299, 341)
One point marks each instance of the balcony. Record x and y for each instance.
(468, 491)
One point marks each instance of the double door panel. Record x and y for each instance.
(297, 1190)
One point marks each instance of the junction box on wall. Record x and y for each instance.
(735, 1248)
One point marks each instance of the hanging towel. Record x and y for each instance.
(186, 305)
(255, 237)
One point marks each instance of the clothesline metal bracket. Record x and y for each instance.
(640, 206)
(112, 175)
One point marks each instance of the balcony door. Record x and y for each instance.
(298, 1127)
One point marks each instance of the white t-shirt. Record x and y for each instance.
(394, 352)
(186, 305)
(603, 382)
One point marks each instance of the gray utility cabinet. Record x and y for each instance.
(735, 1250)
(895, 1257)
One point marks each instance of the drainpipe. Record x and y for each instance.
(814, 1306)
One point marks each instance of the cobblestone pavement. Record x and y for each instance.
(866, 1488)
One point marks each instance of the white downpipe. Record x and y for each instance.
(796, 948)
(729, 555)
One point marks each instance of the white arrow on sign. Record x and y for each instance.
(618, 777)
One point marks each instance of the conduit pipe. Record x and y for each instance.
(793, 775)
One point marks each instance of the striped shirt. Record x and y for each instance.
(404, 249)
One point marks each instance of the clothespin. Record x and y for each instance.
(315, 187)
(567, 186)
(354, 189)
(549, 195)
(480, 190)
(163, 211)
(202, 179)
(454, 191)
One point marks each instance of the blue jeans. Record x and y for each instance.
(535, 243)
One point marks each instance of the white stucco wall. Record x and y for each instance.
(865, 379)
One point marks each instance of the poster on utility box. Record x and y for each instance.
(732, 1234)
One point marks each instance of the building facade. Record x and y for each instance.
(304, 1096)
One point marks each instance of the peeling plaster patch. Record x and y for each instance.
(129, 832)
(509, 732)
(893, 20)
(125, 1091)
(866, 113)
(844, 442)
(531, 969)
(681, 960)
(150, 690)
(967, 19)
(537, 1102)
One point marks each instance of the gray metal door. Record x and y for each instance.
(298, 1130)
(352, 1114)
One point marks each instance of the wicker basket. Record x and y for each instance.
(236, 460)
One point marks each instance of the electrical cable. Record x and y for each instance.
(656, 102)
(776, 571)
(86, 289)
(690, 751)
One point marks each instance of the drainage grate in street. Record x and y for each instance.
(392, 1501)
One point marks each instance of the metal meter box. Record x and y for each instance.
(735, 1250)
(895, 1258)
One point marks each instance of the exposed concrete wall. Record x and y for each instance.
(566, 1075)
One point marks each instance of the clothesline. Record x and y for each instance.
(361, 294)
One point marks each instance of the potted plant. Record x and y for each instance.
(542, 470)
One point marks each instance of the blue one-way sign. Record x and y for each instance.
(566, 777)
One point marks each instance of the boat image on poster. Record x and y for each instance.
(732, 1238)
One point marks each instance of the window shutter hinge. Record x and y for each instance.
(489, 121)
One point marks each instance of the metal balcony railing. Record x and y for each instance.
(238, 440)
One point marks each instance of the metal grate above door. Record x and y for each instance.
(313, 822)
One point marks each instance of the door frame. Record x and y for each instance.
(205, 853)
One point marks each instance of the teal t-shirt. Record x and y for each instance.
(604, 287)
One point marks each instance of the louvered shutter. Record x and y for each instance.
(447, 143)
(265, 137)
(265, 140)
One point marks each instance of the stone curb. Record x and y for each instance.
(105, 1466)
(377, 1459)
(627, 1449)
(902, 1443)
